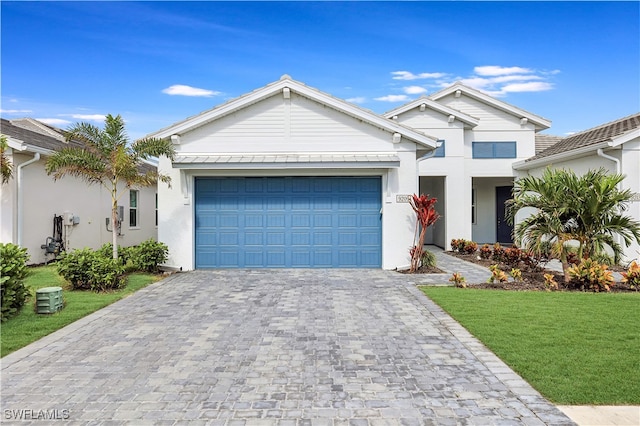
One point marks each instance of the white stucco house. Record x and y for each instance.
(289, 176)
(31, 200)
(614, 146)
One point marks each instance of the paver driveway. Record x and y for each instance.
(282, 347)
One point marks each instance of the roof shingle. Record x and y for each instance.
(593, 136)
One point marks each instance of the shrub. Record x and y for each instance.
(485, 251)
(632, 275)
(13, 271)
(148, 255)
(457, 244)
(91, 270)
(590, 274)
(124, 253)
(428, 259)
(458, 280)
(470, 247)
(497, 275)
(512, 256)
(516, 274)
(550, 282)
(498, 253)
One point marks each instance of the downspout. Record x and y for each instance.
(601, 153)
(36, 158)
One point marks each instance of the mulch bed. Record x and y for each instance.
(531, 280)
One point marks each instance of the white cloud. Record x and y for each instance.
(15, 111)
(357, 100)
(393, 98)
(493, 70)
(89, 117)
(54, 121)
(414, 90)
(182, 90)
(531, 86)
(406, 75)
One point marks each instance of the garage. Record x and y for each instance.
(288, 222)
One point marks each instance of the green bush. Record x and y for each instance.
(428, 259)
(124, 253)
(13, 271)
(148, 255)
(91, 270)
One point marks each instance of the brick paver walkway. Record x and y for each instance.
(270, 347)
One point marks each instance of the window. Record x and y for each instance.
(133, 208)
(473, 206)
(494, 149)
(440, 150)
(156, 209)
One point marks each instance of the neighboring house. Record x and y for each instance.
(289, 176)
(614, 146)
(471, 173)
(31, 199)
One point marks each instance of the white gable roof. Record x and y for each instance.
(428, 103)
(540, 122)
(286, 83)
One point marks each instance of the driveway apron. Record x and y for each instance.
(269, 347)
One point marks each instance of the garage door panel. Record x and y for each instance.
(288, 222)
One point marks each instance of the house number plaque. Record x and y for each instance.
(403, 198)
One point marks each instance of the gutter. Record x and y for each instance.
(36, 158)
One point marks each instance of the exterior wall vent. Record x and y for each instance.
(48, 300)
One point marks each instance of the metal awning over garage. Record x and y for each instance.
(288, 160)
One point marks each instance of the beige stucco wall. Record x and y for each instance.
(42, 198)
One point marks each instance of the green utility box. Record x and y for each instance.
(48, 300)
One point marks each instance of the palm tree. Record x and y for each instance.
(586, 209)
(107, 158)
(6, 167)
(550, 223)
(599, 216)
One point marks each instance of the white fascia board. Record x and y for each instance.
(625, 137)
(20, 146)
(445, 110)
(286, 166)
(541, 122)
(563, 156)
(295, 86)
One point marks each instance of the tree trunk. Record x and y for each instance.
(114, 224)
(565, 266)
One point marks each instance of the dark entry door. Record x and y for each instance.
(504, 231)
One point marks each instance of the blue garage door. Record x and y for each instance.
(288, 222)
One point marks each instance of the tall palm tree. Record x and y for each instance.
(6, 167)
(109, 159)
(586, 209)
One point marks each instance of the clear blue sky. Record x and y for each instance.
(575, 63)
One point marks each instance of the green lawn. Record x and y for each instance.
(574, 348)
(27, 326)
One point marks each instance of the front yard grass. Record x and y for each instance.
(574, 348)
(27, 326)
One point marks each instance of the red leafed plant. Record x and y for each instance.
(426, 216)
